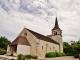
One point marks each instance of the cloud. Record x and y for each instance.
(70, 38)
(39, 15)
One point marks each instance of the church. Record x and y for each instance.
(31, 42)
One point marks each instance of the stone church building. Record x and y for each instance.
(30, 42)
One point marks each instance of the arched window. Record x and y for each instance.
(25, 34)
(42, 47)
(50, 48)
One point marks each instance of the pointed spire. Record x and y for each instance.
(56, 25)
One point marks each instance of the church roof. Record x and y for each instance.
(20, 40)
(42, 37)
(56, 25)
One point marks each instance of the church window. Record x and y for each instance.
(53, 48)
(50, 48)
(25, 34)
(42, 47)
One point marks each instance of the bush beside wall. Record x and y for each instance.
(49, 55)
(20, 57)
(23, 57)
(58, 54)
(34, 57)
(54, 54)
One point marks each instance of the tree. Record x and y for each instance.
(67, 48)
(4, 42)
(76, 47)
(66, 45)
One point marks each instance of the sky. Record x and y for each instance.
(39, 16)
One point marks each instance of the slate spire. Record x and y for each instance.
(56, 25)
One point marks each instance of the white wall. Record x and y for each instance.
(23, 49)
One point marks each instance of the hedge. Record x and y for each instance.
(23, 57)
(34, 57)
(20, 57)
(69, 54)
(58, 54)
(2, 51)
(50, 55)
(76, 55)
(54, 54)
(63, 54)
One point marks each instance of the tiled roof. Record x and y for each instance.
(20, 40)
(42, 37)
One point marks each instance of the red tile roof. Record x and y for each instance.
(20, 40)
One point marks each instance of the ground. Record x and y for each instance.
(3, 57)
(59, 58)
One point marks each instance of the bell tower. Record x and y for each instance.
(57, 35)
(56, 30)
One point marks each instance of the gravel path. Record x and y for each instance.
(4, 57)
(59, 58)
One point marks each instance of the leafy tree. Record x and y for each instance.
(4, 42)
(66, 45)
(67, 48)
(76, 47)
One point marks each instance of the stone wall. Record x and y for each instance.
(58, 38)
(23, 49)
(31, 39)
(45, 47)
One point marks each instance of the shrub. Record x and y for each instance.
(50, 55)
(24, 57)
(69, 51)
(28, 56)
(63, 54)
(54, 54)
(2, 51)
(76, 55)
(69, 54)
(58, 54)
(20, 57)
(34, 57)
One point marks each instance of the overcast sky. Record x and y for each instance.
(39, 16)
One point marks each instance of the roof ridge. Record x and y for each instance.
(36, 32)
